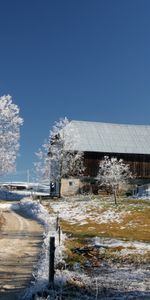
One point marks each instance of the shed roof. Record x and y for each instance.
(109, 138)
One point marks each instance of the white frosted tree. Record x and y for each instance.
(10, 123)
(42, 165)
(113, 173)
(66, 161)
(63, 159)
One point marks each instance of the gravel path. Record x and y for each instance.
(20, 244)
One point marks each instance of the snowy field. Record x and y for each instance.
(110, 279)
(32, 191)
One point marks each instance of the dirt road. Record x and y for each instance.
(20, 245)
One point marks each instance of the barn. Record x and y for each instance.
(128, 142)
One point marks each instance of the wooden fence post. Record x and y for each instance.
(59, 234)
(51, 260)
(57, 222)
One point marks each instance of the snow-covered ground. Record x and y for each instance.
(30, 190)
(35, 210)
(140, 196)
(129, 247)
(74, 213)
(142, 192)
(109, 280)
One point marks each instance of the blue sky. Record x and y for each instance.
(84, 59)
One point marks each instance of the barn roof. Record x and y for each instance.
(109, 138)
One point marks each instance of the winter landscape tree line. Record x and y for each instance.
(55, 160)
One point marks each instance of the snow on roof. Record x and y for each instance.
(109, 138)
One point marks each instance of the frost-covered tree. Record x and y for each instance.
(62, 160)
(42, 165)
(113, 173)
(10, 123)
(65, 161)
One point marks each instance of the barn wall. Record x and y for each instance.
(139, 163)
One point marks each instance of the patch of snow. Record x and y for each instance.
(7, 206)
(69, 211)
(10, 195)
(130, 246)
(73, 213)
(140, 197)
(110, 216)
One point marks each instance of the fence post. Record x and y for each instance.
(59, 234)
(51, 260)
(57, 222)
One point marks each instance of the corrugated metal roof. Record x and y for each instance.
(107, 137)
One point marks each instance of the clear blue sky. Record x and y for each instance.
(84, 59)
